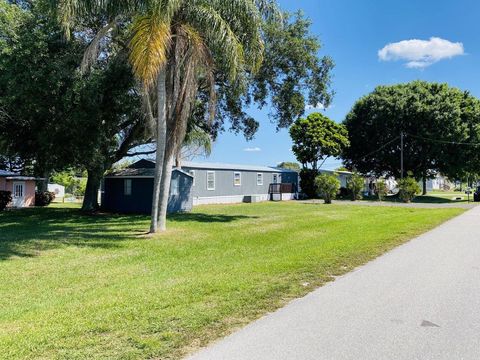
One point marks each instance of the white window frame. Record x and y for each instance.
(259, 176)
(192, 172)
(235, 173)
(213, 173)
(175, 187)
(127, 187)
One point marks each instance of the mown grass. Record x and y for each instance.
(95, 287)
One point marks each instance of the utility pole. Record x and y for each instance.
(401, 155)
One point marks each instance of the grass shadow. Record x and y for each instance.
(27, 232)
(207, 218)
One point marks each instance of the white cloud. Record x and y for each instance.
(421, 53)
(252, 149)
(315, 107)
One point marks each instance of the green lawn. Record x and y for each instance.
(94, 287)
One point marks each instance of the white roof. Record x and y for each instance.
(222, 166)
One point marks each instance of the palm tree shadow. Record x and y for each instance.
(207, 218)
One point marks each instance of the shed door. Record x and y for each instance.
(18, 194)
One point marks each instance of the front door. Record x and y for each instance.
(275, 178)
(18, 194)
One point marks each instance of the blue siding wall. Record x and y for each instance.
(140, 200)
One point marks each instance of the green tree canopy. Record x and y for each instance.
(290, 165)
(315, 138)
(434, 119)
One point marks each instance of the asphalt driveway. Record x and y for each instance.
(419, 301)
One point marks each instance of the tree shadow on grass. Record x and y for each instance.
(207, 218)
(28, 232)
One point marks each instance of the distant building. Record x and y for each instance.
(58, 190)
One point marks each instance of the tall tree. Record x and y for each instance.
(171, 42)
(47, 103)
(175, 45)
(316, 138)
(434, 119)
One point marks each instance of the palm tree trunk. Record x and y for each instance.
(165, 192)
(160, 151)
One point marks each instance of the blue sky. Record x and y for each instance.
(352, 33)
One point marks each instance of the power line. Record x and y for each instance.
(380, 148)
(443, 141)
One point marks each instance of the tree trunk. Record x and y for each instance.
(178, 159)
(424, 183)
(43, 184)
(90, 200)
(165, 192)
(160, 151)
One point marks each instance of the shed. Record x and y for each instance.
(21, 187)
(130, 190)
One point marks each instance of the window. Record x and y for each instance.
(174, 187)
(259, 178)
(127, 187)
(210, 180)
(192, 172)
(18, 191)
(237, 178)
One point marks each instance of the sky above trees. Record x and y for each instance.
(373, 43)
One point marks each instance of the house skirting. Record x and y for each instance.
(232, 199)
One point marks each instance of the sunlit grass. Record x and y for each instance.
(95, 287)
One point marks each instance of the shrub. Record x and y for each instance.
(356, 183)
(408, 188)
(44, 198)
(344, 193)
(382, 190)
(327, 186)
(307, 182)
(5, 198)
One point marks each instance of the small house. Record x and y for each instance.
(21, 187)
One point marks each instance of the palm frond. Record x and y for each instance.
(220, 37)
(149, 46)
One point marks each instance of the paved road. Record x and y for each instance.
(419, 301)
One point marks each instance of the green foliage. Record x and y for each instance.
(356, 184)
(73, 181)
(408, 189)
(290, 166)
(307, 182)
(328, 186)
(44, 198)
(291, 76)
(382, 189)
(5, 199)
(292, 73)
(315, 138)
(430, 115)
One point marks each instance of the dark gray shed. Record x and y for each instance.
(130, 190)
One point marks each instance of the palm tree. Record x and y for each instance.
(173, 45)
